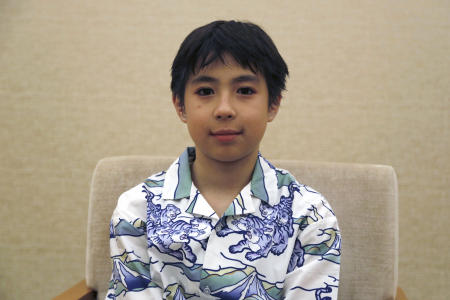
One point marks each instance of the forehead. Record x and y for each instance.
(224, 68)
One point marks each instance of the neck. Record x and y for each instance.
(228, 177)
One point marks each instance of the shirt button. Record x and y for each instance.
(206, 290)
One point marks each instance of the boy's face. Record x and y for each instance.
(226, 110)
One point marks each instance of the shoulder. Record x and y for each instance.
(312, 213)
(132, 204)
(306, 200)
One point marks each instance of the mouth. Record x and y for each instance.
(226, 135)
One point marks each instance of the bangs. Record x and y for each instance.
(204, 61)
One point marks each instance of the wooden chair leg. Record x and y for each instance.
(400, 294)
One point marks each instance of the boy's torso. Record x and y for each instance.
(249, 250)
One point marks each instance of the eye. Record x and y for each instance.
(246, 91)
(204, 92)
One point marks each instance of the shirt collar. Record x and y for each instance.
(178, 181)
(266, 179)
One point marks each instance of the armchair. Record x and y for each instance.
(364, 198)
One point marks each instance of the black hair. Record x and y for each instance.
(246, 42)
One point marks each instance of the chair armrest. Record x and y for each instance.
(400, 294)
(80, 291)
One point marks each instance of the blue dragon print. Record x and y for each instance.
(297, 257)
(262, 235)
(172, 235)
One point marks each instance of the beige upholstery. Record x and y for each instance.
(364, 198)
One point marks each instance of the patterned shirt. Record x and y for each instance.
(278, 239)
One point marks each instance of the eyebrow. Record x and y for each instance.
(209, 79)
(245, 78)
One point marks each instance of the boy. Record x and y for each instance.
(222, 222)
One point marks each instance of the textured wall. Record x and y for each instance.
(81, 80)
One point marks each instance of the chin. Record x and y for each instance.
(229, 156)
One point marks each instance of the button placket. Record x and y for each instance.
(210, 260)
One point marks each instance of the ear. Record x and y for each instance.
(179, 108)
(273, 109)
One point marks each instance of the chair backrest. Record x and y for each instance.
(364, 198)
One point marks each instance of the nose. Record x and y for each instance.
(225, 109)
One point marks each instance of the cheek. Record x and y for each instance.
(194, 114)
(197, 129)
(258, 124)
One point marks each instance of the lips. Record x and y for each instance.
(226, 135)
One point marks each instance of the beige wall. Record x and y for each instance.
(81, 80)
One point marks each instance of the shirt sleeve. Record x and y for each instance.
(130, 278)
(313, 271)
